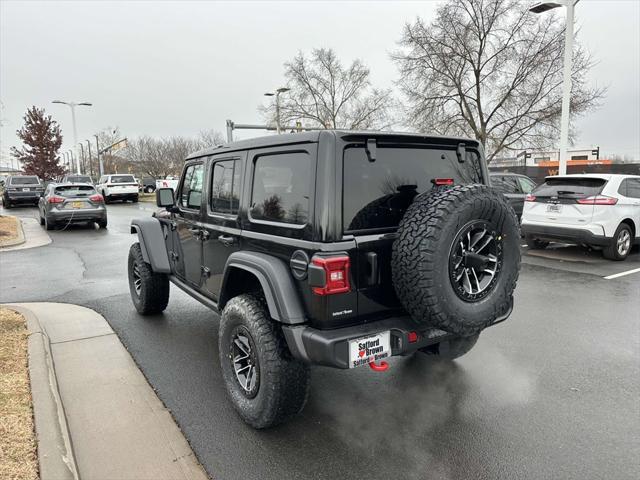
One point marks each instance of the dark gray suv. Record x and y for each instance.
(22, 190)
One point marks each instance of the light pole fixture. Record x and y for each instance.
(566, 74)
(100, 166)
(73, 106)
(277, 95)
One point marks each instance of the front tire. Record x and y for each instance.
(149, 290)
(265, 383)
(620, 245)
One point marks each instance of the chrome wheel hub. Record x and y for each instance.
(137, 279)
(475, 260)
(245, 362)
(624, 242)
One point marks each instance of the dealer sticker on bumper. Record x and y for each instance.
(369, 349)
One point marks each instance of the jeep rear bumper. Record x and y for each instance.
(331, 347)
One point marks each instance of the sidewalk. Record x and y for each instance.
(33, 236)
(96, 416)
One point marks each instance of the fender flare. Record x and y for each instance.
(151, 238)
(275, 278)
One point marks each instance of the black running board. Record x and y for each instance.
(206, 301)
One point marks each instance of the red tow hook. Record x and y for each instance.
(383, 367)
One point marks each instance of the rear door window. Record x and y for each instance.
(225, 187)
(280, 191)
(526, 185)
(376, 194)
(633, 187)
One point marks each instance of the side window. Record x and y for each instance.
(511, 185)
(633, 187)
(622, 189)
(225, 187)
(280, 191)
(191, 188)
(526, 185)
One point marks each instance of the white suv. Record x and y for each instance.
(118, 187)
(600, 210)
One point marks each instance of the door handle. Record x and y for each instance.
(204, 234)
(195, 231)
(226, 241)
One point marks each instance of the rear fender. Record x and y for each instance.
(275, 279)
(151, 238)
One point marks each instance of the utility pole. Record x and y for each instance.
(90, 160)
(100, 166)
(73, 106)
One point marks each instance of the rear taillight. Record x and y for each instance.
(336, 274)
(55, 199)
(530, 198)
(598, 200)
(442, 181)
(96, 198)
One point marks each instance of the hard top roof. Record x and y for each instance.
(314, 135)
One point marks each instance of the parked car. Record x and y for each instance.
(67, 203)
(333, 248)
(148, 184)
(596, 210)
(21, 190)
(167, 182)
(77, 179)
(514, 186)
(118, 187)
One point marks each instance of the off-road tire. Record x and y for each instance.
(535, 244)
(452, 348)
(153, 295)
(283, 381)
(611, 251)
(421, 258)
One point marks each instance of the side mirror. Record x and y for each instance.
(165, 198)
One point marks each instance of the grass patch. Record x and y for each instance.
(147, 197)
(18, 454)
(8, 228)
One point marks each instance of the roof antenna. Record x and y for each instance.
(372, 149)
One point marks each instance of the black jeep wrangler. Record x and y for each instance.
(334, 248)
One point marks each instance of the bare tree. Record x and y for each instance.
(209, 138)
(324, 94)
(491, 70)
(160, 157)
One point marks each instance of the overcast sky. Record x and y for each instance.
(175, 68)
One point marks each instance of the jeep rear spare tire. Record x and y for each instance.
(456, 260)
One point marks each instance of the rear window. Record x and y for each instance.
(122, 179)
(570, 187)
(25, 181)
(376, 194)
(74, 190)
(79, 179)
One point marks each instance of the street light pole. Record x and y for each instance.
(277, 95)
(100, 166)
(73, 106)
(566, 75)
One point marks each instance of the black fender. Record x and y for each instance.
(151, 237)
(275, 278)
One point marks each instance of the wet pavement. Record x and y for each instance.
(551, 393)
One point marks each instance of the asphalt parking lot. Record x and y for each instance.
(551, 393)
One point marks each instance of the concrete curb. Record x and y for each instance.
(96, 415)
(55, 452)
(17, 241)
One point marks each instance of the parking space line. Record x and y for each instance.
(622, 274)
